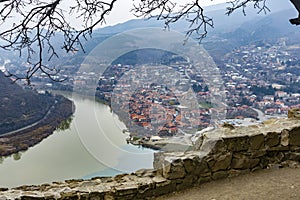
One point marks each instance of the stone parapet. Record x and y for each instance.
(221, 153)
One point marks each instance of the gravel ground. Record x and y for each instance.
(268, 184)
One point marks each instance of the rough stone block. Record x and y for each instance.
(187, 182)
(119, 177)
(196, 167)
(272, 139)
(279, 148)
(174, 170)
(207, 174)
(109, 196)
(204, 179)
(96, 196)
(295, 136)
(145, 173)
(126, 189)
(189, 165)
(72, 195)
(220, 162)
(158, 161)
(259, 153)
(208, 145)
(219, 175)
(165, 188)
(203, 167)
(241, 155)
(244, 163)
(219, 147)
(160, 181)
(257, 141)
(237, 143)
(285, 137)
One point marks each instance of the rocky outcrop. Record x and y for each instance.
(224, 152)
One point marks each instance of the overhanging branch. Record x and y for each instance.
(40, 20)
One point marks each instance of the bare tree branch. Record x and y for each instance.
(260, 5)
(170, 13)
(36, 22)
(40, 22)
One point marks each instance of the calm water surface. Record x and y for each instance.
(93, 146)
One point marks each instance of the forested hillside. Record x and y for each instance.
(20, 107)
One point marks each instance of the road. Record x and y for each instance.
(31, 125)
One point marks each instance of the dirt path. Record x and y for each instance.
(269, 184)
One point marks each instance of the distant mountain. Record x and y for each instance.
(229, 32)
(222, 22)
(269, 28)
(20, 107)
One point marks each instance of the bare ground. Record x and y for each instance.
(268, 184)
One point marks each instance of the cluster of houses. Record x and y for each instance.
(155, 103)
(155, 109)
(262, 77)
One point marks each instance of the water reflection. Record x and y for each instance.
(62, 155)
(17, 156)
(65, 125)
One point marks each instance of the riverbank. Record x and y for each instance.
(64, 155)
(21, 140)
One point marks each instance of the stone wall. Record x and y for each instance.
(224, 152)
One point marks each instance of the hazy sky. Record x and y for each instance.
(121, 12)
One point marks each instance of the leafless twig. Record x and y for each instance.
(260, 5)
(38, 21)
(171, 12)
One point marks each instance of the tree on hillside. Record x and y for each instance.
(33, 23)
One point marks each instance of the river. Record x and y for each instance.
(93, 146)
